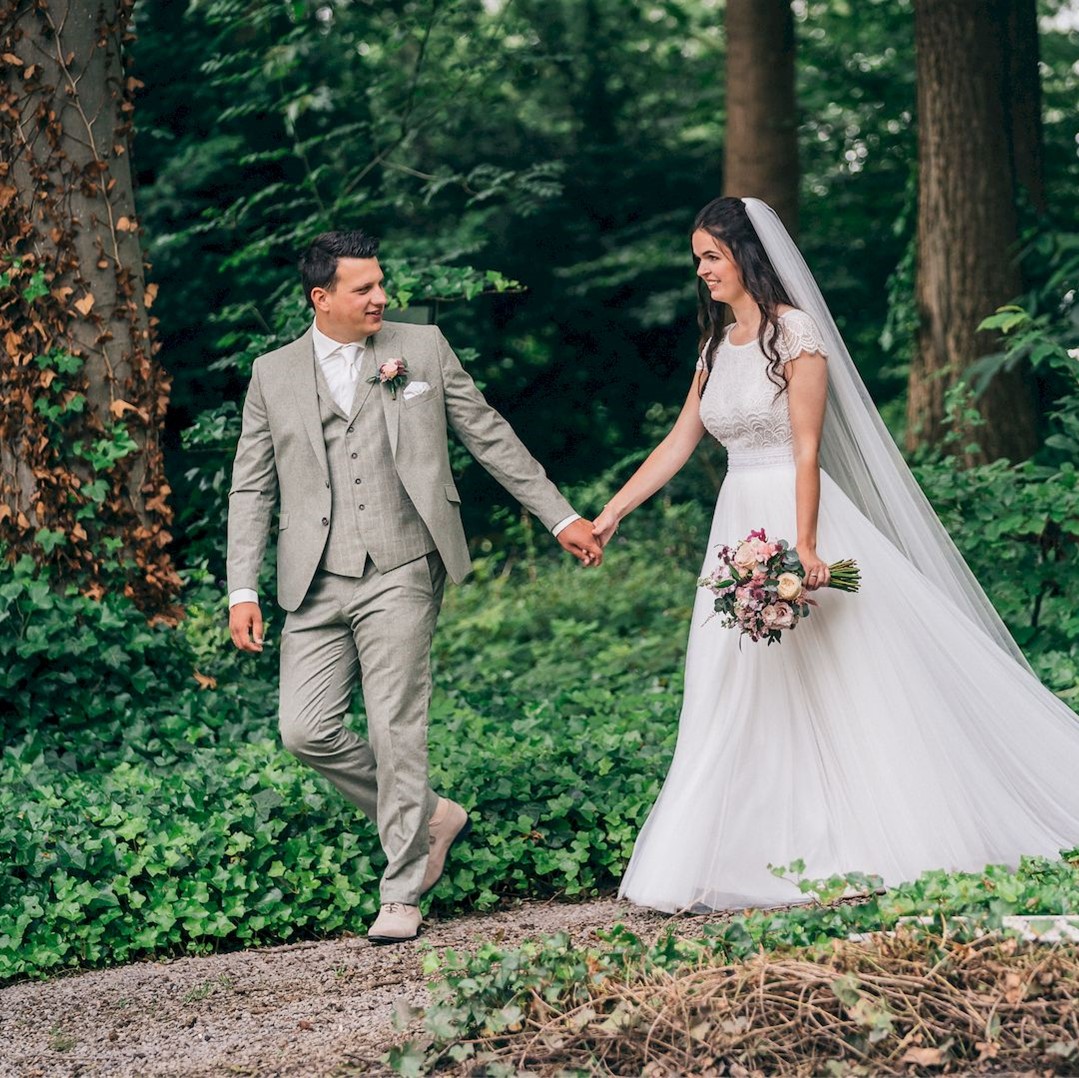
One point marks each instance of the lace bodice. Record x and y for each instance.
(740, 406)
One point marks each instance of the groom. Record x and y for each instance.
(346, 427)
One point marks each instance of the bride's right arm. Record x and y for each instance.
(663, 463)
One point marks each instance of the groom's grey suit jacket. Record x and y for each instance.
(281, 455)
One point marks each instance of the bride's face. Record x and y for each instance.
(716, 267)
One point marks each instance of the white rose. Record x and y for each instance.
(789, 586)
(745, 557)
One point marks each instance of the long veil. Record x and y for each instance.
(859, 454)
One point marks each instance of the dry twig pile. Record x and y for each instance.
(906, 1004)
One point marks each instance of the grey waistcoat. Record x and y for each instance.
(371, 515)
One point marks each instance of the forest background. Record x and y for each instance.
(532, 169)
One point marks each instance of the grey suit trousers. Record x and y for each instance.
(376, 629)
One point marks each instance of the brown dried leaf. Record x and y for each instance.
(119, 407)
(29, 72)
(78, 533)
(126, 224)
(150, 295)
(7, 193)
(205, 681)
(1013, 988)
(923, 1057)
(85, 305)
(11, 58)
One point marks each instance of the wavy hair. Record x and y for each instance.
(727, 222)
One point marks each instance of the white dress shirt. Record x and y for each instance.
(342, 372)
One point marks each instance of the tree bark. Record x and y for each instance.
(1024, 95)
(967, 222)
(82, 484)
(761, 152)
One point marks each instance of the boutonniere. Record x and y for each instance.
(393, 373)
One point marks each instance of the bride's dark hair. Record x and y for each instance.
(727, 222)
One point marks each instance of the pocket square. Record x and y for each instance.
(414, 389)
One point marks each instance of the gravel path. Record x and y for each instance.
(307, 1010)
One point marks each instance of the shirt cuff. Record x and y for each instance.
(242, 595)
(564, 524)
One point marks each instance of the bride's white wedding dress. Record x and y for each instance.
(887, 733)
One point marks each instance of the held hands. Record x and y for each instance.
(245, 626)
(817, 575)
(578, 539)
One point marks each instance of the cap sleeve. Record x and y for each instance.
(798, 333)
(701, 365)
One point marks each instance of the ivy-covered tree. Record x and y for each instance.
(82, 484)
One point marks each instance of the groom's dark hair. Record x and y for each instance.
(318, 264)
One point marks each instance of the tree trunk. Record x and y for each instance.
(967, 222)
(82, 484)
(1024, 95)
(761, 153)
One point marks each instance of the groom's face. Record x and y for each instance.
(352, 308)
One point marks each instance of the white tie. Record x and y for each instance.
(353, 354)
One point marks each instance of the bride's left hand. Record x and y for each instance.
(816, 570)
(605, 525)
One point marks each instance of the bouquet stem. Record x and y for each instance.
(845, 575)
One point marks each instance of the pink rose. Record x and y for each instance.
(761, 550)
(768, 616)
(392, 368)
(784, 616)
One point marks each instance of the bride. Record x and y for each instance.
(897, 730)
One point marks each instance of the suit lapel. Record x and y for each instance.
(305, 390)
(381, 350)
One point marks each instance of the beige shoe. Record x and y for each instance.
(395, 923)
(449, 824)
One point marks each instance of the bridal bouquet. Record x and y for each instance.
(759, 590)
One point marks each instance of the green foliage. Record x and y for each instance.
(1018, 528)
(88, 676)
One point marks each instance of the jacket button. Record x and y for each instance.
(350, 430)
(325, 521)
(362, 506)
(359, 480)
(354, 456)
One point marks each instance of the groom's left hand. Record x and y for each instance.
(578, 539)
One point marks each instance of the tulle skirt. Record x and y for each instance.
(885, 734)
